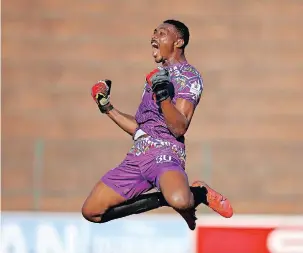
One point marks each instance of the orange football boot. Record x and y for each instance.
(216, 201)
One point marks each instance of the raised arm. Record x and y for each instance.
(101, 94)
(177, 116)
(124, 121)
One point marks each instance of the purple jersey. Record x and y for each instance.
(188, 85)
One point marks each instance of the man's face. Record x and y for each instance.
(163, 42)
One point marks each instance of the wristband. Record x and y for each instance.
(106, 108)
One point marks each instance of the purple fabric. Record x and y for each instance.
(144, 164)
(188, 85)
(160, 151)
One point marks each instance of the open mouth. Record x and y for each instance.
(155, 46)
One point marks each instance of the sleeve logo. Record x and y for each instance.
(195, 88)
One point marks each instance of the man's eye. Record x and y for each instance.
(162, 33)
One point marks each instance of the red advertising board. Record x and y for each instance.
(249, 234)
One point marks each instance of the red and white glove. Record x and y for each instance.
(101, 95)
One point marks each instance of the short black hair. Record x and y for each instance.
(181, 28)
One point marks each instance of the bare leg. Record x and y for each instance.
(176, 191)
(99, 201)
(104, 204)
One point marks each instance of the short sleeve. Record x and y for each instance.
(189, 88)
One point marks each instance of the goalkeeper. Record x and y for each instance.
(157, 157)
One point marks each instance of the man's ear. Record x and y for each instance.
(179, 43)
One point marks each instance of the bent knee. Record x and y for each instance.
(180, 201)
(92, 214)
(101, 198)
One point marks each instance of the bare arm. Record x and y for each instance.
(177, 117)
(101, 95)
(124, 121)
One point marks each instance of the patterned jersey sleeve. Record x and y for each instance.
(188, 87)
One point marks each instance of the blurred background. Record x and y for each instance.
(246, 138)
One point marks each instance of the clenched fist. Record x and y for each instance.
(160, 83)
(101, 94)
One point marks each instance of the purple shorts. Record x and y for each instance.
(140, 171)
